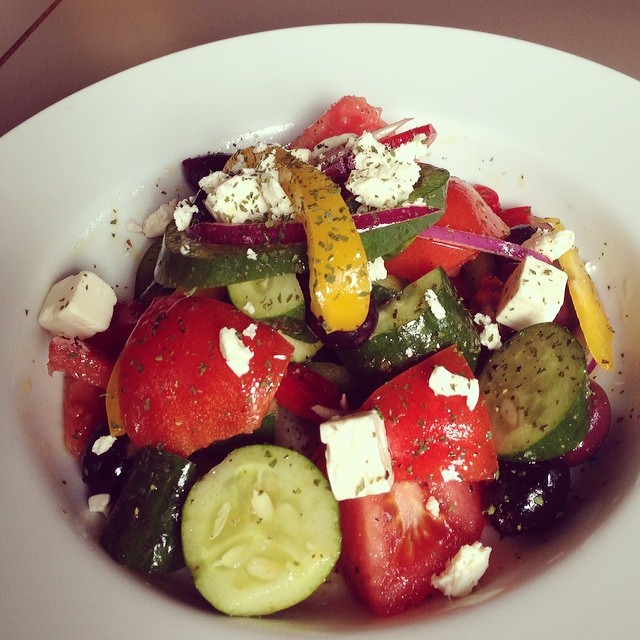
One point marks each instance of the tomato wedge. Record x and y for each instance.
(83, 411)
(350, 114)
(465, 210)
(395, 542)
(432, 436)
(178, 389)
(78, 359)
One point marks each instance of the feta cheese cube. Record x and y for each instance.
(463, 571)
(78, 306)
(357, 454)
(533, 293)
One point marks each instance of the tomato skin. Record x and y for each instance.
(83, 411)
(302, 388)
(350, 114)
(176, 388)
(126, 314)
(393, 544)
(429, 434)
(465, 210)
(78, 359)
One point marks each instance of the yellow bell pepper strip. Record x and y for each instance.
(595, 325)
(112, 403)
(339, 283)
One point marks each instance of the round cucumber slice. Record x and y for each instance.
(536, 388)
(260, 531)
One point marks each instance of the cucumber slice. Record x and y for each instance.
(424, 317)
(536, 388)
(277, 301)
(303, 350)
(260, 531)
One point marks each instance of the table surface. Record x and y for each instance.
(80, 42)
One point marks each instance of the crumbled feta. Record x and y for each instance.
(304, 155)
(533, 293)
(551, 243)
(156, 223)
(249, 307)
(450, 474)
(382, 177)
(433, 507)
(102, 444)
(99, 503)
(185, 248)
(183, 213)
(438, 311)
(247, 194)
(377, 269)
(444, 383)
(250, 331)
(490, 334)
(251, 254)
(237, 355)
(78, 306)
(463, 571)
(357, 454)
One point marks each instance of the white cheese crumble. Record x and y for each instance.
(433, 507)
(236, 354)
(249, 307)
(551, 243)
(444, 383)
(156, 223)
(438, 311)
(377, 269)
(183, 213)
(450, 474)
(490, 334)
(357, 455)
(247, 194)
(251, 254)
(383, 177)
(102, 444)
(99, 503)
(533, 293)
(463, 571)
(78, 306)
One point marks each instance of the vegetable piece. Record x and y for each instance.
(83, 412)
(78, 359)
(350, 114)
(536, 388)
(425, 317)
(436, 433)
(196, 370)
(143, 530)
(490, 196)
(599, 427)
(105, 462)
(277, 301)
(302, 389)
(527, 497)
(595, 325)
(260, 531)
(394, 543)
(339, 284)
(397, 139)
(465, 210)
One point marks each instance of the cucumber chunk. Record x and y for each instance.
(426, 316)
(143, 530)
(536, 388)
(260, 531)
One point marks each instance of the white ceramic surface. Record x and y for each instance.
(542, 127)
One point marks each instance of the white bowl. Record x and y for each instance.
(542, 127)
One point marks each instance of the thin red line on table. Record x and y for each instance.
(20, 41)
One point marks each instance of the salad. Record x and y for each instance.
(338, 357)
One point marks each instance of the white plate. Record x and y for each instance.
(542, 127)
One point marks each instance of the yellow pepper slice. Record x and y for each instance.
(339, 283)
(595, 325)
(112, 402)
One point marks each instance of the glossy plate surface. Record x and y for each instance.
(542, 127)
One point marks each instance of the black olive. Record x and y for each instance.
(105, 473)
(527, 497)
